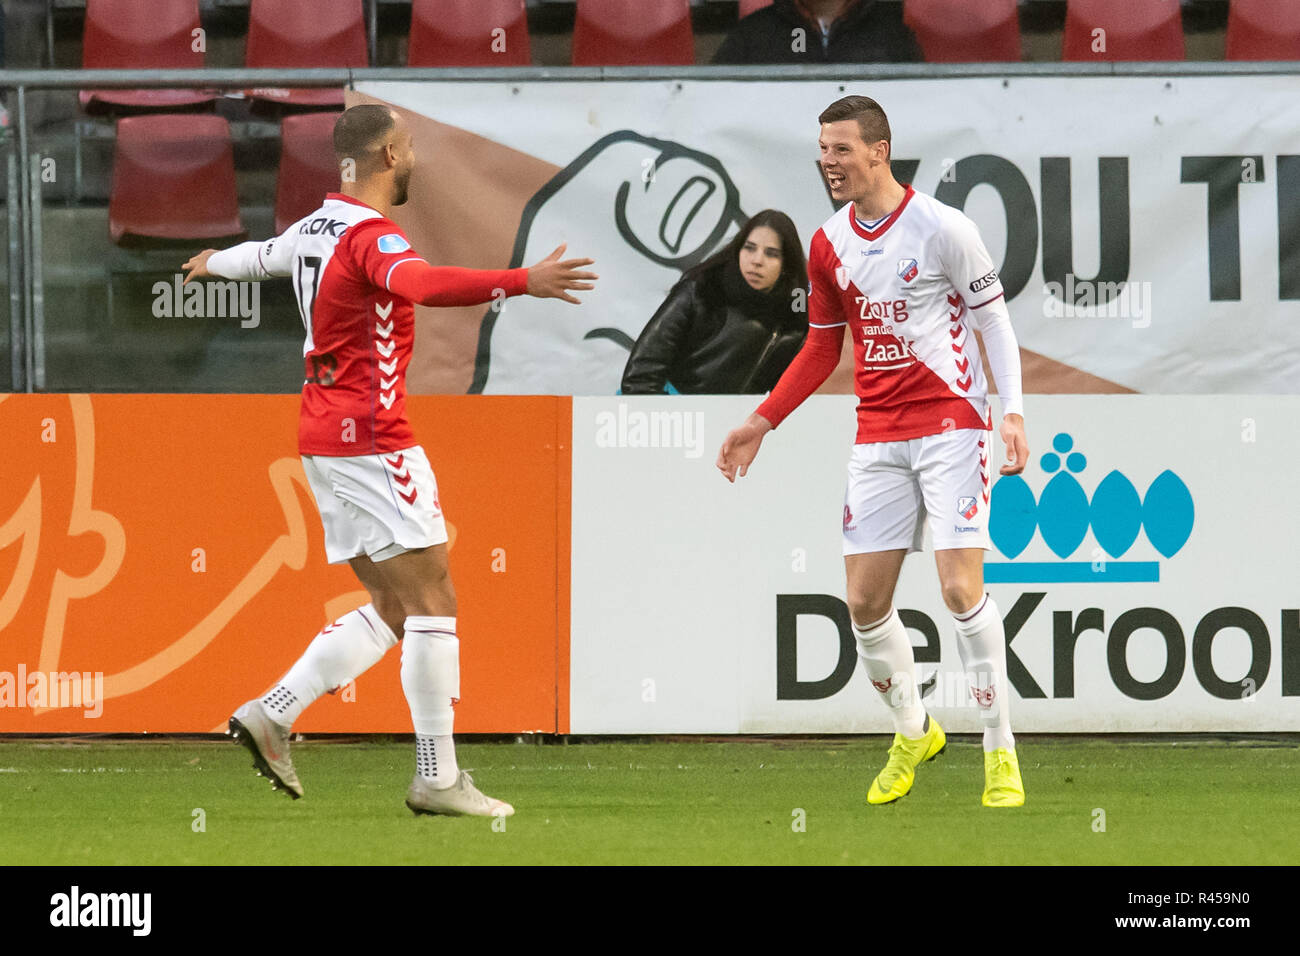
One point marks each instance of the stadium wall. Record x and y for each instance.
(161, 557)
(1145, 567)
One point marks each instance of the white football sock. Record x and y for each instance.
(983, 649)
(886, 655)
(435, 759)
(340, 653)
(431, 682)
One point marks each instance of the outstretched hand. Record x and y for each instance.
(1013, 436)
(197, 267)
(555, 279)
(740, 447)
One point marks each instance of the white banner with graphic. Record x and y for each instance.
(1146, 565)
(1147, 229)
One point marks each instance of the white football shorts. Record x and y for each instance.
(895, 486)
(378, 505)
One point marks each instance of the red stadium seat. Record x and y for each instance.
(1146, 30)
(633, 32)
(460, 33)
(305, 33)
(141, 35)
(958, 31)
(749, 6)
(307, 166)
(173, 178)
(1263, 30)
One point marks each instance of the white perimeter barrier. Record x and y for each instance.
(1154, 584)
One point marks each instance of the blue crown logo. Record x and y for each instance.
(1063, 515)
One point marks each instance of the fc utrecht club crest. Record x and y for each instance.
(967, 507)
(842, 277)
(907, 269)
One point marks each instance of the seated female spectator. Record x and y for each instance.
(732, 324)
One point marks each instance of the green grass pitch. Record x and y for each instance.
(662, 802)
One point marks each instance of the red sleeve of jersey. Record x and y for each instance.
(451, 285)
(384, 256)
(812, 366)
(821, 349)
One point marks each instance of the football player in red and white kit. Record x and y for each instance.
(911, 279)
(355, 278)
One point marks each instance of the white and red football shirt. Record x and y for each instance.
(905, 290)
(355, 278)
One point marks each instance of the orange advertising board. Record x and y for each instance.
(162, 561)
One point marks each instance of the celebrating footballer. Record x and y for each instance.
(912, 280)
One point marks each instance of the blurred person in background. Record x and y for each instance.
(834, 31)
(733, 323)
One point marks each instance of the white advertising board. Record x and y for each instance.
(1149, 582)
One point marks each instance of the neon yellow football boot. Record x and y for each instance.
(1002, 784)
(905, 756)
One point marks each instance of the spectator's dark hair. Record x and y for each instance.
(873, 125)
(794, 266)
(360, 131)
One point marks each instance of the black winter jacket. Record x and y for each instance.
(867, 33)
(716, 335)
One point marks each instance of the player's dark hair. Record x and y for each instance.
(873, 125)
(794, 267)
(359, 133)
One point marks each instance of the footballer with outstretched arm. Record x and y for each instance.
(356, 279)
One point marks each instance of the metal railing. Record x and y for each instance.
(26, 287)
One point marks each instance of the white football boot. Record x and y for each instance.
(268, 742)
(460, 799)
